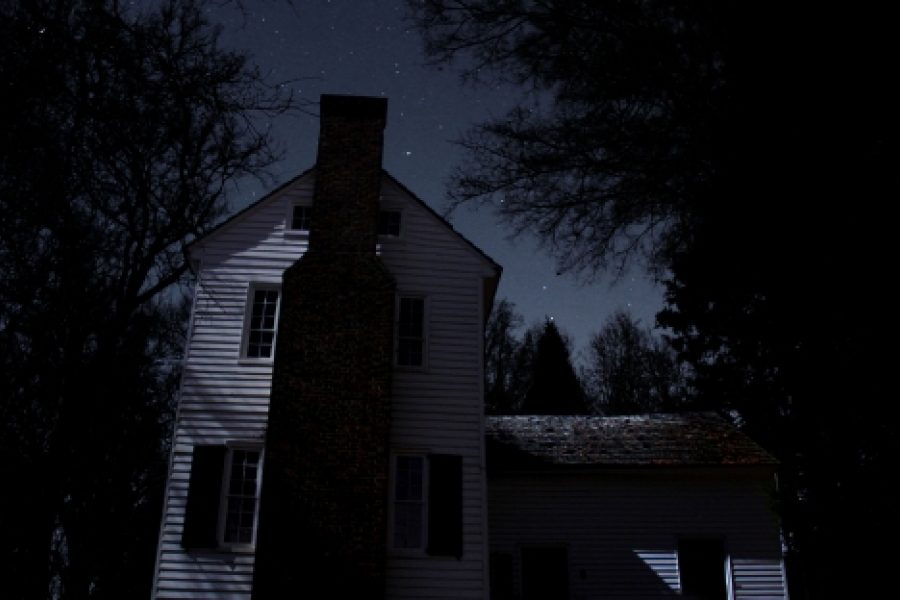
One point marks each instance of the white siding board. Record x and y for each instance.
(438, 408)
(222, 398)
(622, 531)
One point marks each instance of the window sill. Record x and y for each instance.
(224, 549)
(237, 548)
(255, 362)
(386, 241)
(407, 553)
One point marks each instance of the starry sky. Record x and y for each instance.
(366, 47)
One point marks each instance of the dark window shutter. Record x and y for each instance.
(444, 505)
(201, 518)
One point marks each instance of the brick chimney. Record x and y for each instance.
(323, 509)
(348, 174)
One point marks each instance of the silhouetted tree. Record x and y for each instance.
(553, 387)
(631, 370)
(523, 367)
(747, 152)
(121, 127)
(625, 127)
(500, 349)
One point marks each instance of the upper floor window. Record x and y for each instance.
(261, 323)
(411, 332)
(301, 218)
(389, 223)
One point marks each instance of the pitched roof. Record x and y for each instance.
(494, 264)
(659, 440)
(268, 196)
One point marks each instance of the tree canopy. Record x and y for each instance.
(122, 127)
(500, 349)
(533, 374)
(630, 370)
(744, 151)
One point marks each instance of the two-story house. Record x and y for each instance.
(330, 438)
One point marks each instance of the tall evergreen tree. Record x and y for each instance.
(554, 387)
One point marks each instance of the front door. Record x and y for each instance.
(545, 573)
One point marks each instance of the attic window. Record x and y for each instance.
(389, 223)
(301, 218)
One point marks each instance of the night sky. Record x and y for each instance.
(365, 47)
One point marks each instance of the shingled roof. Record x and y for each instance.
(692, 439)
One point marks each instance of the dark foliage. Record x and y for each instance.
(532, 374)
(630, 370)
(746, 149)
(500, 350)
(621, 134)
(119, 132)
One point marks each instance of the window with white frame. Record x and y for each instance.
(427, 504)
(223, 496)
(262, 320)
(411, 332)
(240, 491)
(409, 502)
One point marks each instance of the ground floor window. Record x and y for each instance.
(427, 504)
(223, 496)
(240, 493)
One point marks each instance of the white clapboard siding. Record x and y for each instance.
(438, 408)
(435, 409)
(621, 529)
(221, 397)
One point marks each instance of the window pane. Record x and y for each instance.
(411, 331)
(408, 525)
(389, 222)
(302, 218)
(241, 498)
(409, 502)
(261, 332)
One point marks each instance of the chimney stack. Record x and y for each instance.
(323, 508)
(348, 174)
